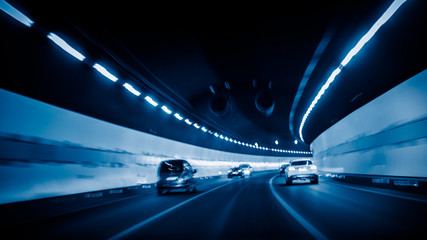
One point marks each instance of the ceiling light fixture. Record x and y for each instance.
(131, 89)
(65, 46)
(104, 72)
(17, 15)
(166, 110)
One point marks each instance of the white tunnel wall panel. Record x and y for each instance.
(48, 151)
(387, 136)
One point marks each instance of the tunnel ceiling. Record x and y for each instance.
(237, 68)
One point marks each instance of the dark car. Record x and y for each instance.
(176, 175)
(234, 172)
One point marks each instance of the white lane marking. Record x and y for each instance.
(384, 193)
(310, 228)
(148, 220)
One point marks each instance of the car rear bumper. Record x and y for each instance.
(303, 177)
(168, 185)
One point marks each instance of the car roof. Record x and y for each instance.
(301, 160)
(174, 160)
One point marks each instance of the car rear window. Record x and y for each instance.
(299, 163)
(171, 166)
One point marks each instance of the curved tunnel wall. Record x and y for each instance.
(387, 136)
(48, 151)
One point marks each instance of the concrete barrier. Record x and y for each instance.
(46, 151)
(385, 138)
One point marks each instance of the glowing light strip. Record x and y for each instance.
(166, 110)
(151, 101)
(65, 46)
(383, 19)
(177, 116)
(104, 72)
(13, 12)
(131, 89)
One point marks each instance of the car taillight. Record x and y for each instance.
(313, 167)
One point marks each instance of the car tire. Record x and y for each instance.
(315, 181)
(288, 181)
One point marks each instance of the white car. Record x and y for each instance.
(301, 170)
(246, 170)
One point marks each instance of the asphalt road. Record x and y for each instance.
(259, 207)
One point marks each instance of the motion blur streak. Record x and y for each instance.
(313, 231)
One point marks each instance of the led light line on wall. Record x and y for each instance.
(383, 19)
(104, 72)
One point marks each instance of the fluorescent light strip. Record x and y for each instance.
(151, 101)
(177, 116)
(187, 121)
(65, 46)
(13, 12)
(166, 109)
(383, 19)
(104, 72)
(131, 89)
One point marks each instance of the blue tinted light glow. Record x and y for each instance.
(13, 12)
(166, 110)
(131, 89)
(177, 116)
(151, 101)
(187, 121)
(104, 72)
(196, 125)
(383, 19)
(65, 46)
(204, 129)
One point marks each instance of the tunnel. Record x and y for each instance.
(155, 120)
